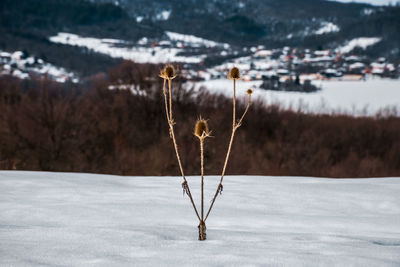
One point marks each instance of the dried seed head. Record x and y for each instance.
(162, 74)
(249, 91)
(201, 128)
(168, 72)
(234, 74)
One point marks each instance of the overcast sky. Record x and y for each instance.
(374, 2)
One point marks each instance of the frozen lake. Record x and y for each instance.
(350, 97)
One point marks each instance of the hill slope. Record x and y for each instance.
(27, 25)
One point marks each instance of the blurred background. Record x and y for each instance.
(80, 92)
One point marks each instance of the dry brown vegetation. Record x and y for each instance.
(52, 127)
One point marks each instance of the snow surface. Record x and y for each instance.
(137, 54)
(362, 42)
(349, 97)
(65, 219)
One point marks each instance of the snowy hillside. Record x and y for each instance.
(121, 49)
(101, 220)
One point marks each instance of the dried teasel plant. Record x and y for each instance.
(201, 131)
(168, 73)
(234, 74)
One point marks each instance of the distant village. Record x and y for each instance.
(302, 66)
(288, 69)
(23, 66)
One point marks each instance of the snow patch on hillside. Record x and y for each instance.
(163, 15)
(362, 42)
(192, 40)
(327, 27)
(122, 49)
(65, 219)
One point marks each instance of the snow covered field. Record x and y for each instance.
(353, 97)
(62, 219)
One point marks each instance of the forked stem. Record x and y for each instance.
(235, 126)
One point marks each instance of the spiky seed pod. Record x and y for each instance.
(162, 74)
(249, 91)
(201, 128)
(168, 72)
(234, 74)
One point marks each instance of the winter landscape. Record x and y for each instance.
(199, 133)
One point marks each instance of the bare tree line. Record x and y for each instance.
(90, 128)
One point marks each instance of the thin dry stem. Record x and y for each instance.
(223, 173)
(170, 98)
(244, 113)
(202, 175)
(234, 104)
(165, 99)
(235, 126)
(172, 134)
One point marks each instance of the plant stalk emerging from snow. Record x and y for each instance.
(201, 131)
(234, 74)
(168, 74)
